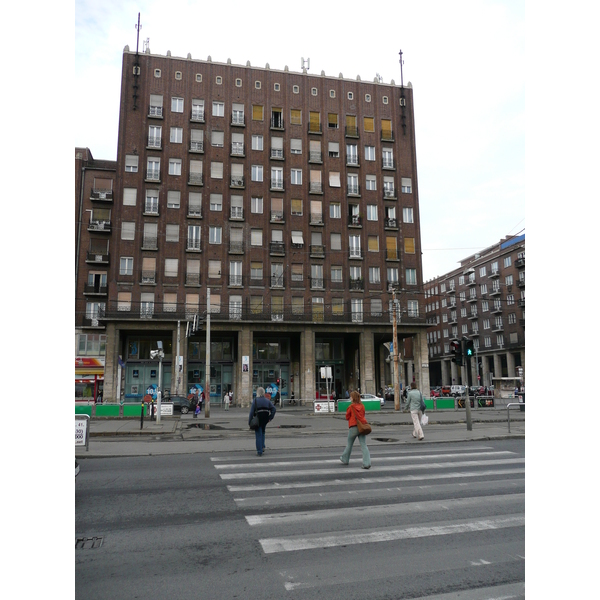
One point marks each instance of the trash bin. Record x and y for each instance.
(522, 401)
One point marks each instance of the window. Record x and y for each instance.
(126, 265)
(413, 308)
(296, 207)
(256, 270)
(371, 212)
(172, 233)
(195, 204)
(218, 109)
(197, 110)
(156, 106)
(406, 185)
(482, 271)
(407, 214)
(296, 116)
(376, 307)
(314, 91)
(369, 123)
(336, 241)
(352, 154)
(238, 82)
(367, 97)
(174, 166)
(198, 77)
(369, 152)
(256, 237)
(389, 191)
(129, 196)
(194, 234)
(157, 73)
(173, 199)
(409, 245)
(356, 306)
(257, 173)
(371, 183)
(334, 179)
(314, 122)
(296, 89)
(219, 80)
(411, 276)
(276, 87)
(127, 230)
(171, 267)
(336, 274)
(296, 177)
(277, 178)
(507, 261)
(277, 209)
(350, 95)
(297, 272)
(353, 184)
(508, 280)
(237, 114)
(196, 140)
(217, 139)
(335, 210)
(235, 272)
(256, 305)
(334, 149)
(385, 99)
(177, 105)
(131, 163)
(276, 118)
(316, 276)
(387, 158)
(510, 299)
(216, 202)
(215, 235)
(216, 170)
(374, 275)
(373, 243)
(257, 142)
(257, 85)
(354, 246)
(176, 135)
(256, 205)
(154, 136)
(257, 112)
(124, 301)
(386, 129)
(296, 146)
(148, 270)
(332, 121)
(214, 269)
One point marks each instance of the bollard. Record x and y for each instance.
(152, 410)
(142, 416)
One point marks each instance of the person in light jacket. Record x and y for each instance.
(265, 410)
(413, 404)
(356, 410)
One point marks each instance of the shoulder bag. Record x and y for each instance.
(422, 407)
(254, 422)
(363, 428)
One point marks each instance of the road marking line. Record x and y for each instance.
(293, 543)
(369, 481)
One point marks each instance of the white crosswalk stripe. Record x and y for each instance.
(301, 504)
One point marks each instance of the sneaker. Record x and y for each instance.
(344, 463)
(367, 467)
(259, 454)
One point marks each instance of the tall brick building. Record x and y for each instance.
(482, 300)
(292, 197)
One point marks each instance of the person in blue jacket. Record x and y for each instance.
(265, 411)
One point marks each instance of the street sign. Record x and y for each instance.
(82, 431)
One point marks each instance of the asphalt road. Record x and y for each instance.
(441, 521)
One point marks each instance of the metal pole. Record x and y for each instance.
(468, 400)
(159, 392)
(178, 384)
(396, 370)
(207, 378)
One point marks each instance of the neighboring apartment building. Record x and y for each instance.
(94, 200)
(483, 300)
(292, 197)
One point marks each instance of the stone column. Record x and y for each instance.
(382, 356)
(367, 359)
(510, 364)
(307, 366)
(453, 374)
(409, 372)
(244, 391)
(111, 363)
(446, 372)
(421, 358)
(497, 365)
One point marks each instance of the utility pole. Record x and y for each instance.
(468, 400)
(396, 369)
(207, 378)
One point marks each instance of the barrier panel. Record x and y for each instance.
(83, 410)
(82, 431)
(444, 403)
(369, 405)
(134, 410)
(108, 410)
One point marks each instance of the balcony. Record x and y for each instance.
(315, 157)
(277, 249)
(148, 278)
(498, 327)
(238, 120)
(520, 262)
(235, 280)
(352, 161)
(236, 247)
(387, 135)
(153, 175)
(472, 298)
(471, 282)
(102, 195)
(473, 315)
(316, 283)
(277, 216)
(388, 163)
(521, 283)
(154, 143)
(315, 187)
(97, 257)
(317, 251)
(194, 212)
(197, 115)
(494, 274)
(195, 179)
(193, 245)
(495, 291)
(277, 153)
(276, 185)
(357, 285)
(95, 289)
(197, 146)
(521, 303)
(451, 290)
(316, 218)
(100, 226)
(390, 223)
(355, 253)
(155, 112)
(277, 281)
(192, 279)
(351, 131)
(390, 194)
(150, 243)
(393, 285)
(277, 122)
(355, 221)
(236, 213)
(237, 149)
(316, 128)
(353, 189)
(496, 308)
(237, 181)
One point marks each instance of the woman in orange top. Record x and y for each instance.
(354, 411)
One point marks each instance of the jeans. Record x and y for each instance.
(352, 435)
(260, 438)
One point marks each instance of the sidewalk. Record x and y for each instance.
(292, 428)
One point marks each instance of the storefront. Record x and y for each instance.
(89, 378)
(271, 366)
(221, 367)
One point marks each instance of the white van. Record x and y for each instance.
(457, 390)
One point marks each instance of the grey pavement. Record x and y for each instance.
(292, 428)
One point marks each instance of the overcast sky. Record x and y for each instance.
(464, 59)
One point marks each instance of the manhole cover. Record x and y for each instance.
(88, 543)
(206, 426)
(291, 426)
(386, 439)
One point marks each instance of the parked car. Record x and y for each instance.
(181, 403)
(445, 390)
(457, 390)
(476, 390)
(364, 397)
(434, 393)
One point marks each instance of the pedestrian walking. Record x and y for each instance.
(413, 404)
(356, 410)
(201, 399)
(265, 411)
(226, 400)
(230, 396)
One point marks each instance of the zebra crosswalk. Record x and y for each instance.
(421, 520)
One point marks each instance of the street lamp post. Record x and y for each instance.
(207, 378)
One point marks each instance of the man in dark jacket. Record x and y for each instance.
(265, 411)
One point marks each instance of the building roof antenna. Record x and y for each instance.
(402, 96)
(305, 65)
(138, 27)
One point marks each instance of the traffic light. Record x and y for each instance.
(278, 381)
(469, 348)
(456, 349)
